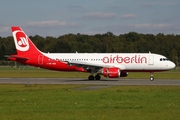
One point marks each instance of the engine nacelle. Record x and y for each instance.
(113, 72)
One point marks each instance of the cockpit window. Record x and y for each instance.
(164, 59)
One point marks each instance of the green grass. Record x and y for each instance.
(32, 72)
(71, 102)
(68, 102)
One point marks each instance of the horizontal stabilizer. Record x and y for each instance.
(16, 57)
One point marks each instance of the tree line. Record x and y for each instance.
(132, 42)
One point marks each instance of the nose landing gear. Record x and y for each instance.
(151, 76)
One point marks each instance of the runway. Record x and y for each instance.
(104, 81)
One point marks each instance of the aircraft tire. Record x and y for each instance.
(91, 77)
(151, 78)
(97, 77)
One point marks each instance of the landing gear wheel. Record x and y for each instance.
(97, 77)
(151, 78)
(91, 77)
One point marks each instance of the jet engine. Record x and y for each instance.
(113, 72)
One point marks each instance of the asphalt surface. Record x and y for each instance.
(104, 81)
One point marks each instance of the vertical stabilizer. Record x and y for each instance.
(24, 45)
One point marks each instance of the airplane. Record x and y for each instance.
(110, 65)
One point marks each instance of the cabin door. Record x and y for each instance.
(151, 60)
(40, 59)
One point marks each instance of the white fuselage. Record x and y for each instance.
(124, 61)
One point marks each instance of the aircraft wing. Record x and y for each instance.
(92, 65)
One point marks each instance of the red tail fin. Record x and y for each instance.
(24, 45)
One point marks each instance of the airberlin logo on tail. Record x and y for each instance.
(21, 40)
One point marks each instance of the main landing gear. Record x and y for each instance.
(151, 77)
(97, 77)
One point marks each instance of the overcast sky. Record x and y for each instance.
(59, 17)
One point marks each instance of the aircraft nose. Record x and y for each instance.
(172, 65)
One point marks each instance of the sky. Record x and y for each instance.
(60, 17)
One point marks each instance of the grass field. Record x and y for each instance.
(29, 72)
(74, 102)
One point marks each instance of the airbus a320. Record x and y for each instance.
(111, 65)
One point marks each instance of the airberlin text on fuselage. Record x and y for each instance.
(118, 59)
